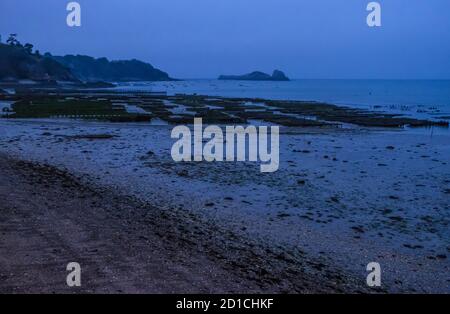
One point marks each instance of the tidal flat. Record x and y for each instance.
(181, 109)
(353, 187)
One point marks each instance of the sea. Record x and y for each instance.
(424, 99)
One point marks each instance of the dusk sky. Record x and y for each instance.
(205, 38)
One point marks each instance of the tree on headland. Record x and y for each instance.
(12, 40)
(28, 48)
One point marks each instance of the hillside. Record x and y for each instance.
(16, 63)
(91, 69)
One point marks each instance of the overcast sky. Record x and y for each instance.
(205, 38)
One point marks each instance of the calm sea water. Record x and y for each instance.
(417, 98)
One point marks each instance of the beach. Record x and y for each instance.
(226, 155)
(126, 245)
(342, 198)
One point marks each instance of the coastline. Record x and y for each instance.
(226, 156)
(422, 99)
(126, 245)
(362, 203)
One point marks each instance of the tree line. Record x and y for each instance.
(13, 41)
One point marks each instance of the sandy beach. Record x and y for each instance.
(128, 246)
(342, 198)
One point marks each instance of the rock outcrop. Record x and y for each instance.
(257, 76)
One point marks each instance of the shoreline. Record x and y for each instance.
(338, 214)
(126, 245)
(353, 187)
(122, 107)
(416, 101)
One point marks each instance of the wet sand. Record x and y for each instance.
(341, 199)
(49, 218)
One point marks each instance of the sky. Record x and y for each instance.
(325, 39)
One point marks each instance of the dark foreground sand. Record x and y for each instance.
(49, 218)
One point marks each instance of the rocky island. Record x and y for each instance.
(256, 76)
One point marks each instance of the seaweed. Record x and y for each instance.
(106, 105)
